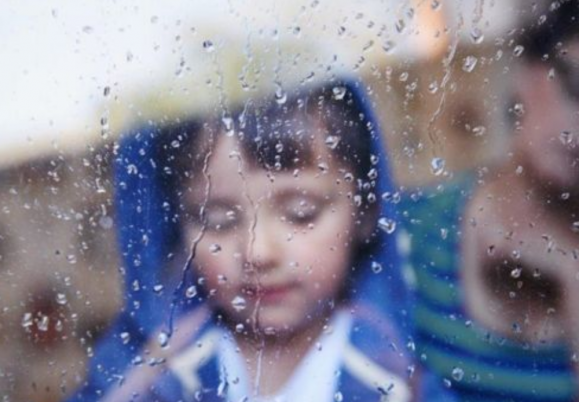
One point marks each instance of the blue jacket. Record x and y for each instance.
(380, 351)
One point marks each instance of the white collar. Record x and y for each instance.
(314, 379)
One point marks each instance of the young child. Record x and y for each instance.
(291, 288)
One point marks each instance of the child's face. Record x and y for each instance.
(276, 249)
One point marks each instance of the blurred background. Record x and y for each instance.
(75, 75)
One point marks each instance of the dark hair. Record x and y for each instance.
(280, 134)
(541, 38)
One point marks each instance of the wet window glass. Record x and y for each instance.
(289, 201)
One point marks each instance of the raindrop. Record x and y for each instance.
(208, 46)
(221, 279)
(400, 26)
(444, 233)
(106, 222)
(551, 74)
(191, 292)
(339, 93)
(519, 109)
(575, 226)
(239, 328)
(43, 323)
(491, 250)
(61, 299)
(437, 166)
(433, 87)
(518, 50)
(228, 123)
(71, 258)
(238, 303)
(332, 141)
(469, 63)
(214, 248)
(323, 167)
(158, 288)
(435, 5)
(376, 267)
(457, 374)
(125, 337)
(516, 272)
(106, 91)
(280, 96)
(566, 137)
(476, 36)
(163, 339)
(27, 320)
(338, 397)
(389, 46)
(387, 225)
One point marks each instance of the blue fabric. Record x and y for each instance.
(146, 228)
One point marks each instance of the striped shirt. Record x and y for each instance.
(478, 364)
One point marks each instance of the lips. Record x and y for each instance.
(270, 293)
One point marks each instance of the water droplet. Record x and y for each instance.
(575, 226)
(191, 292)
(435, 5)
(208, 46)
(71, 258)
(444, 233)
(323, 167)
(339, 92)
(551, 74)
(389, 46)
(106, 91)
(491, 250)
(228, 124)
(332, 141)
(566, 137)
(338, 397)
(27, 320)
(376, 267)
(238, 303)
(469, 63)
(476, 36)
(518, 50)
(516, 272)
(214, 248)
(437, 166)
(43, 323)
(221, 279)
(239, 328)
(400, 26)
(125, 337)
(163, 339)
(61, 299)
(387, 225)
(280, 96)
(158, 288)
(106, 222)
(519, 109)
(457, 374)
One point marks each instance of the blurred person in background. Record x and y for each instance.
(496, 255)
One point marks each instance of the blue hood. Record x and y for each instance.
(146, 231)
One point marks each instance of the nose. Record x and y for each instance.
(262, 248)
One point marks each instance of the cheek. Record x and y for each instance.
(217, 262)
